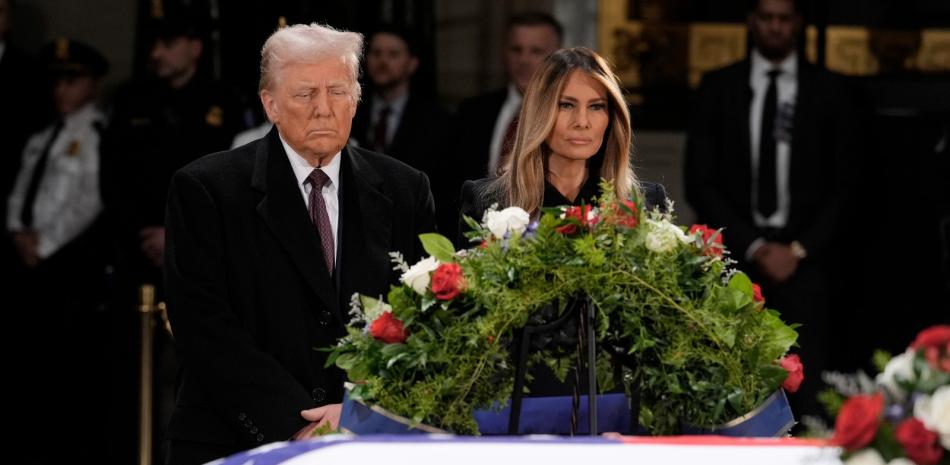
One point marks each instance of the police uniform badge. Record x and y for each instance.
(73, 148)
(215, 116)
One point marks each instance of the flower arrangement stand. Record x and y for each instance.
(584, 312)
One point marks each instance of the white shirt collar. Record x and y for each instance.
(84, 116)
(514, 97)
(761, 65)
(302, 168)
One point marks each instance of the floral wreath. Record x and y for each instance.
(704, 346)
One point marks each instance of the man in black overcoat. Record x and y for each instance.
(266, 244)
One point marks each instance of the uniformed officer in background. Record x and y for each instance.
(161, 121)
(53, 215)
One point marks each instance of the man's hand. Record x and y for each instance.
(27, 246)
(776, 261)
(327, 416)
(153, 244)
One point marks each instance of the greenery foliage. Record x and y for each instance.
(685, 329)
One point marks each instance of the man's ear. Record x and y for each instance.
(413, 65)
(270, 105)
(195, 47)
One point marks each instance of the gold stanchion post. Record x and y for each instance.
(146, 327)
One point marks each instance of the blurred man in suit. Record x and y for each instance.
(485, 125)
(395, 119)
(768, 160)
(267, 243)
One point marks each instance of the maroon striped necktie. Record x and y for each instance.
(318, 214)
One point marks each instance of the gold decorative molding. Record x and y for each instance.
(859, 51)
(651, 51)
(623, 49)
(934, 54)
(714, 45)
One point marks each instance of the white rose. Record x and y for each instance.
(866, 457)
(417, 276)
(511, 219)
(592, 214)
(900, 368)
(934, 412)
(664, 236)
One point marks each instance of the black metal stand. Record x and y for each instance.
(623, 359)
(586, 314)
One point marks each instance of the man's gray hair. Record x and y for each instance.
(302, 43)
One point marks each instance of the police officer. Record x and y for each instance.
(175, 115)
(53, 216)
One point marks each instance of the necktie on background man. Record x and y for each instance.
(767, 184)
(318, 214)
(26, 212)
(507, 145)
(380, 130)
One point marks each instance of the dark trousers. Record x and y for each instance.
(804, 299)
(60, 371)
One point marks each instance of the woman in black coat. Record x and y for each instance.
(573, 131)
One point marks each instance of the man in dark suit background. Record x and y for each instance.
(395, 119)
(768, 160)
(266, 243)
(484, 126)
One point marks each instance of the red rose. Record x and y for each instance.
(936, 360)
(935, 336)
(712, 246)
(793, 365)
(857, 421)
(935, 344)
(447, 281)
(627, 216)
(388, 329)
(757, 293)
(567, 229)
(921, 444)
(579, 213)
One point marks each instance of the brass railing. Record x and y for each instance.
(147, 309)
